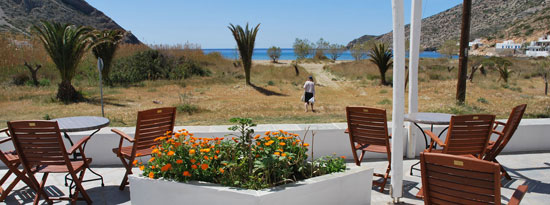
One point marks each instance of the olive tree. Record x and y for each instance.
(274, 53)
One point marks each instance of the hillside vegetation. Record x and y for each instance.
(491, 19)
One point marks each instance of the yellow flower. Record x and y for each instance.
(306, 144)
(280, 138)
(277, 153)
(191, 151)
(155, 151)
(283, 154)
(151, 175)
(141, 167)
(282, 143)
(275, 133)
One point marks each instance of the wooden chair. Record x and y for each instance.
(150, 125)
(41, 150)
(494, 148)
(451, 179)
(467, 135)
(11, 160)
(368, 132)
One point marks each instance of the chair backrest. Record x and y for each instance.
(38, 143)
(469, 134)
(508, 131)
(151, 124)
(451, 179)
(367, 125)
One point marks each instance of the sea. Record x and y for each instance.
(288, 54)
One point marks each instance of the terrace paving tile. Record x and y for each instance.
(532, 169)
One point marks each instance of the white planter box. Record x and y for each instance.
(350, 187)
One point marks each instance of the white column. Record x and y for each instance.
(398, 99)
(416, 21)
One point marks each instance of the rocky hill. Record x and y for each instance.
(19, 15)
(520, 20)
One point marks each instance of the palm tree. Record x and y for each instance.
(381, 55)
(245, 42)
(65, 44)
(106, 43)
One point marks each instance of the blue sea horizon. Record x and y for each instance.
(288, 54)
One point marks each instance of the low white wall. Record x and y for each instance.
(532, 135)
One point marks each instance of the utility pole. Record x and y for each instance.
(463, 55)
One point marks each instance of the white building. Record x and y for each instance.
(477, 42)
(509, 44)
(539, 48)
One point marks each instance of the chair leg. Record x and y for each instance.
(4, 192)
(128, 167)
(386, 176)
(504, 172)
(41, 191)
(362, 155)
(79, 188)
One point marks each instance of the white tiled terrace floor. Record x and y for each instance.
(532, 169)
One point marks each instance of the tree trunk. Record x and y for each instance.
(67, 93)
(545, 84)
(383, 78)
(247, 74)
(33, 73)
(463, 55)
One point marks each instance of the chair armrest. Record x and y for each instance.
(78, 144)
(347, 130)
(123, 135)
(434, 138)
(518, 195)
(6, 131)
(497, 123)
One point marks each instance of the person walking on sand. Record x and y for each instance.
(309, 92)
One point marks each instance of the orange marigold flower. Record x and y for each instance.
(138, 155)
(151, 175)
(306, 144)
(343, 157)
(258, 143)
(256, 137)
(153, 167)
(267, 133)
(152, 159)
(283, 154)
(166, 167)
(205, 150)
(194, 166)
(277, 153)
(267, 138)
(141, 167)
(215, 156)
(257, 155)
(217, 151)
(275, 133)
(186, 174)
(293, 143)
(135, 162)
(170, 153)
(281, 150)
(280, 138)
(168, 132)
(222, 171)
(177, 144)
(193, 161)
(204, 166)
(282, 143)
(269, 143)
(206, 157)
(179, 161)
(191, 151)
(155, 151)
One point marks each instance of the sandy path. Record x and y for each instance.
(320, 76)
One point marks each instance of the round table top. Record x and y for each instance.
(81, 123)
(429, 118)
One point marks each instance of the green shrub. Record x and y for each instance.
(270, 83)
(187, 108)
(20, 79)
(482, 100)
(384, 102)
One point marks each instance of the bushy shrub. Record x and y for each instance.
(154, 65)
(243, 161)
(20, 79)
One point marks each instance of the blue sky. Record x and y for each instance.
(205, 22)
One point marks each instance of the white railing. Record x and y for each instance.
(531, 135)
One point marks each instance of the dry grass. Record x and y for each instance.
(276, 98)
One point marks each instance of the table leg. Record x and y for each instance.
(427, 146)
(75, 157)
